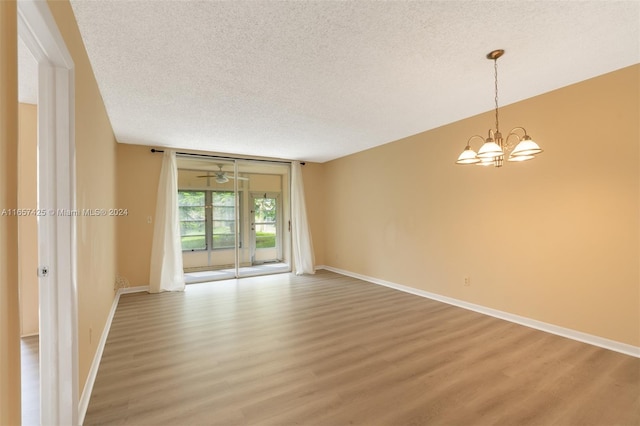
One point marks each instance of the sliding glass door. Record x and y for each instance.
(231, 218)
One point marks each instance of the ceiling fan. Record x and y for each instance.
(220, 176)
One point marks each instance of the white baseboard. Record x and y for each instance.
(138, 289)
(528, 322)
(83, 404)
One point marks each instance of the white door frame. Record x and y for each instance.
(56, 233)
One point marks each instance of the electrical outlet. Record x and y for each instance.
(467, 281)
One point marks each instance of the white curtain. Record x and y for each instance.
(166, 272)
(303, 258)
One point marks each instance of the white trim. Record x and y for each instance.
(138, 289)
(40, 27)
(95, 365)
(528, 322)
(57, 242)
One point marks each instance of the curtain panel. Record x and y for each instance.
(302, 245)
(166, 272)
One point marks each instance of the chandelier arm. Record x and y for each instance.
(512, 132)
(518, 128)
(506, 140)
(473, 137)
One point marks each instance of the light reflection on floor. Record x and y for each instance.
(225, 274)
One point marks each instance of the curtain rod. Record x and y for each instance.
(228, 158)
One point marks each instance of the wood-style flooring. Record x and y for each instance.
(333, 350)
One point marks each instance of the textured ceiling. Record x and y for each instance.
(317, 80)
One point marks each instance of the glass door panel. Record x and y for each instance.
(207, 203)
(231, 218)
(266, 215)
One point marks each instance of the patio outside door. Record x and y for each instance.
(266, 226)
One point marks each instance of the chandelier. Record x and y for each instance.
(494, 149)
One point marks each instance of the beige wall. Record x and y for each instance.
(95, 189)
(138, 175)
(9, 315)
(554, 239)
(28, 225)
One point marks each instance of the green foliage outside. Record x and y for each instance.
(192, 220)
(265, 209)
(265, 240)
(193, 242)
(223, 241)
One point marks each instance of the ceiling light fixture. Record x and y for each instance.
(492, 152)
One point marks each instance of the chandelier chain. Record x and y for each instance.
(495, 68)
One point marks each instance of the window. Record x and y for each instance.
(224, 219)
(191, 205)
(207, 220)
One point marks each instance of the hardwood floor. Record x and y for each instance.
(333, 350)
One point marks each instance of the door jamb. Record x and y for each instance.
(57, 243)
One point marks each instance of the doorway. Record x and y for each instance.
(56, 245)
(266, 228)
(29, 305)
(232, 216)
